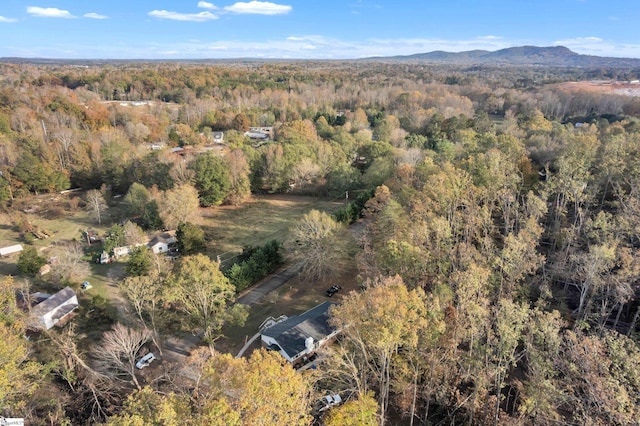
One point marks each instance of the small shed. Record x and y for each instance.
(5, 251)
(54, 309)
(118, 252)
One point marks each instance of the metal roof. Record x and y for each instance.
(53, 302)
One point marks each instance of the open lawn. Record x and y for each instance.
(228, 228)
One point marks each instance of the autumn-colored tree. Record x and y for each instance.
(239, 189)
(316, 242)
(20, 374)
(240, 122)
(200, 290)
(263, 390)
(179, 205)
(147, 407)
(376, 325)
(362, 411)
(133, 234)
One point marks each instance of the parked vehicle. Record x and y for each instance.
(145, 361)
(333, 290)
(330, 401)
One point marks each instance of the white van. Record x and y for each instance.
(145, 361)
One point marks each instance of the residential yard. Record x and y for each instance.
(293, 298)
(228, 230)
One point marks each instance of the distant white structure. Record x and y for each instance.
(260, 133)
(218, 137)
(5, 251)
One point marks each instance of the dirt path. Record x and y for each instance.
(115, 275)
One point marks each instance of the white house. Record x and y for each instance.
(5, 251)
(54, 309)
(299, 336)
(264, 130)
(160, 243)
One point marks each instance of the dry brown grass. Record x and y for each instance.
(263, 218)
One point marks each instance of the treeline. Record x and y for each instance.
(254, 264)
(59, 122)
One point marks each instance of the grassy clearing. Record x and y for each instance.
(260, 220)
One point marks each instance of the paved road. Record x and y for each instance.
(269, 284)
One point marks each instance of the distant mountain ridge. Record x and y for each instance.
(558, 56)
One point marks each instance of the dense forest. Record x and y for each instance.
(499, 262)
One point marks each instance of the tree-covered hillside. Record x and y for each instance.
(498, 240)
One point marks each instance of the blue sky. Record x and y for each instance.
(327, 29)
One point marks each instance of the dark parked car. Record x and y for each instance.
(333, 290)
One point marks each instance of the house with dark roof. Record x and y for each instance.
(297, 337)
(160, 243)
(54, 309)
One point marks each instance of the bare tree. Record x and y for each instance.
(145, 294)
(305, 171)
(133, 234)
(116, 354)
(96, 204)
(64, 139)
(69, 263)
(316, 241)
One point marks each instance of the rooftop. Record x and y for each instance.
(292, 333)
(53, 302)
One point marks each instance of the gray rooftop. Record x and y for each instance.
(292, 332)
(53, 302)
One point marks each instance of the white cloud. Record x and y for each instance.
(176, 16)
(92, 15)
(600, 47)
(3, 19)
(259, 8)
(577, 41)
(48, 12)
(206, 5)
